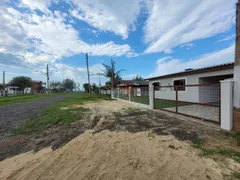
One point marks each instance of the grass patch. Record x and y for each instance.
(234, 135)
(160, 104)
(61, 113)
(211, 152)
(124, 96)
(24, 98)
(236, 175)
(140, 99)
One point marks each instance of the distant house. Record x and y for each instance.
(37, 86)
(57, 88)
(9, 90)
(201, 76)
(137, 87)
(132, 83)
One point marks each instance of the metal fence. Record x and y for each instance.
(134, 94)
(199, 101)
(140, 95)
(105, 92)
(124, 93)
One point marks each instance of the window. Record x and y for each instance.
(181, 83)
(156, 86)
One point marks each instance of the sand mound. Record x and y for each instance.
(114, 155)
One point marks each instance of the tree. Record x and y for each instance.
(21, 81)
(57, 83)
(69, 84)
(138, 78)
(86, 87)
(94, 88)
(112, 73)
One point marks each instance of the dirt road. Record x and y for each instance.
(119, 141)
(12, 116)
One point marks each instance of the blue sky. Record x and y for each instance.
(144, 37)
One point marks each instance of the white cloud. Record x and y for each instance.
(170, 23)
(42, 5)
(118, 17)
(168, 65)
(30, 41)
(36, 58)
(187, 46)
(24, 31)
(227, 38)
(13, 38)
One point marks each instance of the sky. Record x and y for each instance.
(145, 37)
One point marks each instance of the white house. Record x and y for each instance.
(12, 90)
(164, 85)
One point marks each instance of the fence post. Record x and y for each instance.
(118, 89)
(176, 99)
(226, 104)
(151, 96)
(129, 93)
(112, 94)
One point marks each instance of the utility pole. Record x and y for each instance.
(112, 63)
(3, 83)
(237, 60)
(99, 83)
(47, 77)
(89, 85)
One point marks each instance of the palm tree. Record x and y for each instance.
(112, 73)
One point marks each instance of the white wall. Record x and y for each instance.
(168, 93)
(191, 94)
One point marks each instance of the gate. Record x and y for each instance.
(200, 101)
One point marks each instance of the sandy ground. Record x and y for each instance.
(114, 155)
(105, 107)
(121, 145)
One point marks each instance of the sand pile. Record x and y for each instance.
(114, 155)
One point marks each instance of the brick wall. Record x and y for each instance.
(236, 119)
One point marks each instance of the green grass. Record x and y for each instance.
(236, 175)
(24, 98)
(211, 152)
(164, 104)
(61, 113)
(140, 99)
(234, 135)
(124, 96)
(160, 104)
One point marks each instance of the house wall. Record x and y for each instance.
(191, 94)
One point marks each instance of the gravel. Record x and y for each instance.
(12, 116)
